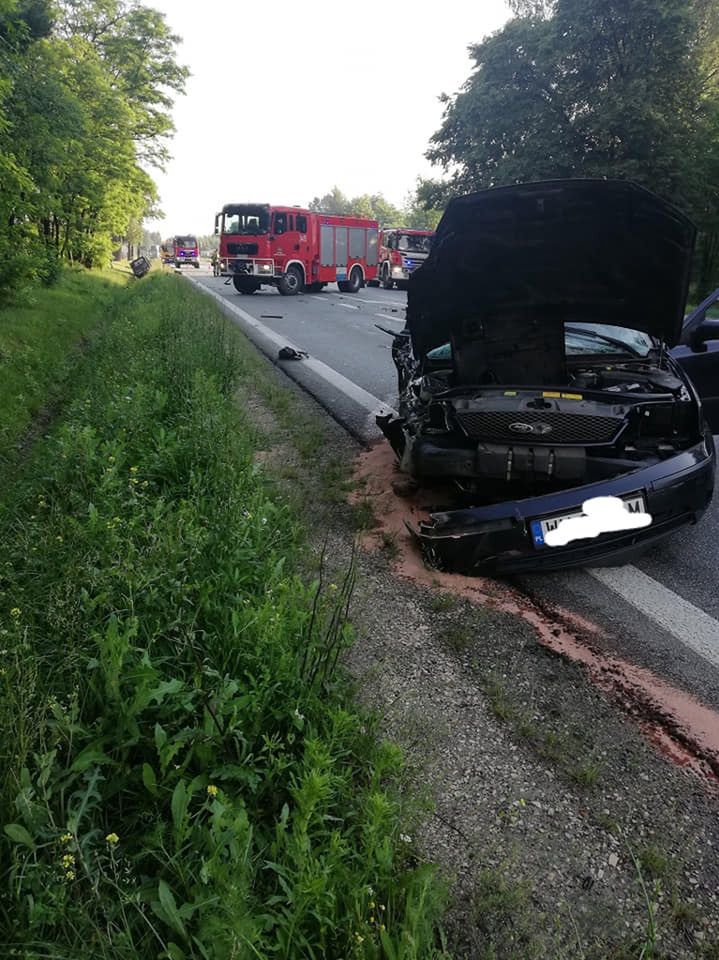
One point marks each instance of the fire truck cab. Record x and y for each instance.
(401, 252)
(187, 250)
(294, 249)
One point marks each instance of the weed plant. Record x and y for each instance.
(182, 774)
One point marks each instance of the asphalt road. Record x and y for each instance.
(661, 612)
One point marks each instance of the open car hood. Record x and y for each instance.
(509, 265)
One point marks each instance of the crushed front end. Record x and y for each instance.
(523, 394)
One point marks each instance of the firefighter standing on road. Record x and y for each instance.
(215, 259)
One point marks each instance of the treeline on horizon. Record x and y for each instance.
(86, 88)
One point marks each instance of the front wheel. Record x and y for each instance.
(387, 281)
(245, 285)
(291, 283)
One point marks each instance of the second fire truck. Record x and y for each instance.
(295, 249)
(401, 252)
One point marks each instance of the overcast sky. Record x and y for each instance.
(288, 99)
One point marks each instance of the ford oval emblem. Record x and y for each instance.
(537, 429)
(521, 427)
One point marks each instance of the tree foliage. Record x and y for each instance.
(375, 207)
(574, 88)
(86, 88)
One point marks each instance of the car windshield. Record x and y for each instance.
(604, 338)
(185, 242)
(411, 243)
(251, 221)
(589, 338)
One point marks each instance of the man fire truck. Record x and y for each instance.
(400, 253)
(294, 249)
(167, 252)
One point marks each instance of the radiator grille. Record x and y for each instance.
(571, 428)
(237, 249)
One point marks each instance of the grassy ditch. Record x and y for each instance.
(182, 773)
(40, 340)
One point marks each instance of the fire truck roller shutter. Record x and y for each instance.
(358, 243)
(327, 245)
(341, 252)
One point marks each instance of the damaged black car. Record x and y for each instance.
(536, 375)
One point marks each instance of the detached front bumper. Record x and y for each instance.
(498, 538)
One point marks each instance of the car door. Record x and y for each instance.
(698, 354)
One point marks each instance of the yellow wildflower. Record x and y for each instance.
(211, 790)
(134, 469)
(70, 875)
(68, 861)
(66, 838)
(111, 459)
(112, 839)
(58, 538)
(15, 612)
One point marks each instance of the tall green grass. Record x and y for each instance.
(182, 773)
(40, 339)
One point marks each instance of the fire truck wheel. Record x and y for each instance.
(315, 287)
(291, 283)
(387, 281)
(245, 285)
(355, 280)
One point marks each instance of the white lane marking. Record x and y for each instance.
(350, 389)
(348, 306)
(316, 296)
(367, 300)
(692, 626)
(386, 316)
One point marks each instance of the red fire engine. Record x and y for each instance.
(187, 250)
(294, 249)
(400, 253)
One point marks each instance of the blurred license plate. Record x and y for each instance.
(634, 503)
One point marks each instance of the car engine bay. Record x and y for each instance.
(496, 441)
